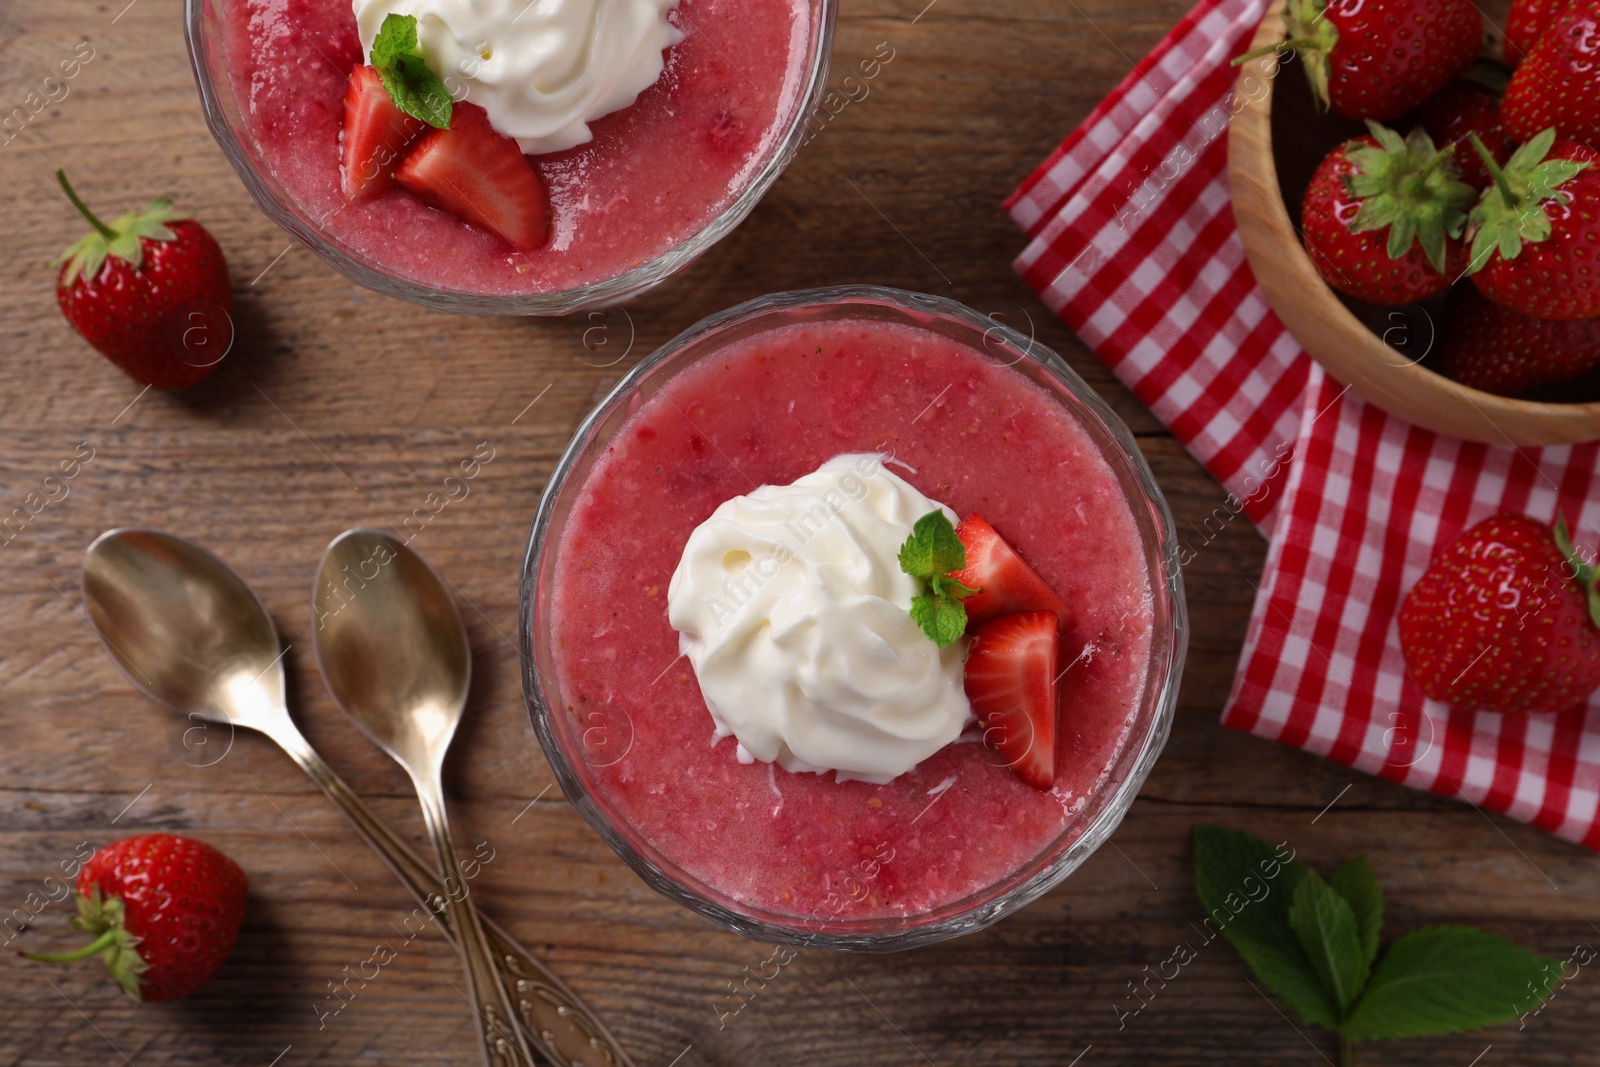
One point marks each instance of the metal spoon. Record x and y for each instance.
(394, 654)
(185, 629)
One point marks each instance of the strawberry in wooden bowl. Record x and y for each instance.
(1378, 59)
(1490, 347)
(1378, 246)
(1384, 216)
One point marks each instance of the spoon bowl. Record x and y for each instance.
(391, 645)
(184, 628)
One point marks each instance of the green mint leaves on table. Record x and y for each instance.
(931, 553)
(411, 84)
(1314, 943)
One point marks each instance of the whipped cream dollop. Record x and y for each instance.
(793, 610)
(542, 69)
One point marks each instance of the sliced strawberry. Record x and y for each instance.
(374, 137)
(1004, 581)
(1011, 682)
(480, 176)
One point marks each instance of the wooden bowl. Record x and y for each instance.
(1330, 326)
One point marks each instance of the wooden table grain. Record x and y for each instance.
(341, 408)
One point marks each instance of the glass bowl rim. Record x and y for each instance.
(1139, 758)
(288, 215)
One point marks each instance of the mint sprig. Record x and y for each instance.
(932, 553)
(409, 81)
(1314, 943)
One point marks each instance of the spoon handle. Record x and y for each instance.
(502, 1043)
(558, 1025)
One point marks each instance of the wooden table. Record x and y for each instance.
(341, 408)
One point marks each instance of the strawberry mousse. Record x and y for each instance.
(505, 150)
(745, 687)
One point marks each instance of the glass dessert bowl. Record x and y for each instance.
(880, 386)
(659, 181)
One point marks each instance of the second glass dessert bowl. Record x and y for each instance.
(661, 181)
(975, 416)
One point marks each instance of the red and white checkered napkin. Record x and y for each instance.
(1133, 245)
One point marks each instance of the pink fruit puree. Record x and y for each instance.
(654, 174)
(964, 430)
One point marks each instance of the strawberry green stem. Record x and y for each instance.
(1439, 157)
(104, 941)
(1415, 185)
(83, 209)
(1282, 46)
(1586, 575)
(1495, 172)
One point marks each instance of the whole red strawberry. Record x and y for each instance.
(1559, 83)
(165, 911)
(150, 291)
(1537, 230)
(1378, 59)
(1382, 217)
(1458, 110)
(1526, 24)
(1505, 619)
(1501, 351)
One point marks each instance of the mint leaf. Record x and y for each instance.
(949, 554)
(933, 549)
(417, 90)
(1445, 979)
(1359, 887)
(1223, 861)
(1326, 928)
(1287, 974)
(942, 618)
(1247, 887)
(396, 37)
(931, 552)
(407, 78)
